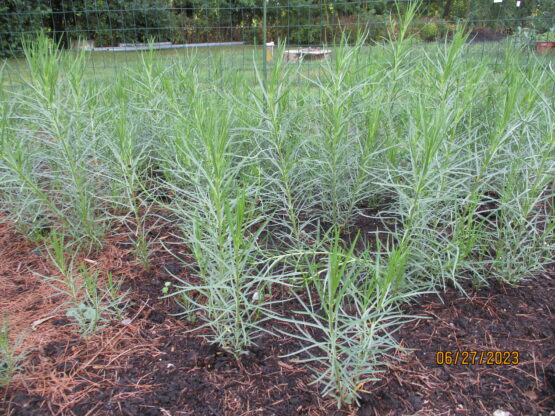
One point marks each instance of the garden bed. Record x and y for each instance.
(278, 247)
(151, 366)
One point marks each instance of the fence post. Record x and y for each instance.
(264, 40)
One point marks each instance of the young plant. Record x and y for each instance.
(97, 305)
(220, 223)
(346, 326)
(10, 360)
(129, 159)
(49, 161)
(335, 156)
(57, 252)
(287, 185)
(89, 305)
(229, 293)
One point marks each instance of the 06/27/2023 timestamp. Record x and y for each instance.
(477, 357)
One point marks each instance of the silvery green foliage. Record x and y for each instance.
(49, 161)
(90, 304)
(221, 225)
(445, 150)
(475, 176)
(98, 305)
(347, 321)
(10, 359)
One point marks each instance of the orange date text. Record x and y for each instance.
(477, 357)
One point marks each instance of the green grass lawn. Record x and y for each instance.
(103, 65)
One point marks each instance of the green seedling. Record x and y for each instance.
(10, 360)
(97, 305)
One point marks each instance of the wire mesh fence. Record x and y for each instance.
(235, 32)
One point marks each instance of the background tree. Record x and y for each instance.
(304, 22)
(18, 17)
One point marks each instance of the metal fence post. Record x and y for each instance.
(265, 40)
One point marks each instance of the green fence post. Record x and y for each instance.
(264, 40)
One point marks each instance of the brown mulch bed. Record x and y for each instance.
(497, 318)
(151, 365)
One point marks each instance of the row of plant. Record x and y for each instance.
(451, 157)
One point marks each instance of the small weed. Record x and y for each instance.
(166, 287)
(97, 306)
(10, 361)
(90, 305)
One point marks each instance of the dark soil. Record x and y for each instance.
(154, 365)
(497, 318)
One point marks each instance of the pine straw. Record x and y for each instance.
(33, 306)
(81, 368)
(25, 298)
